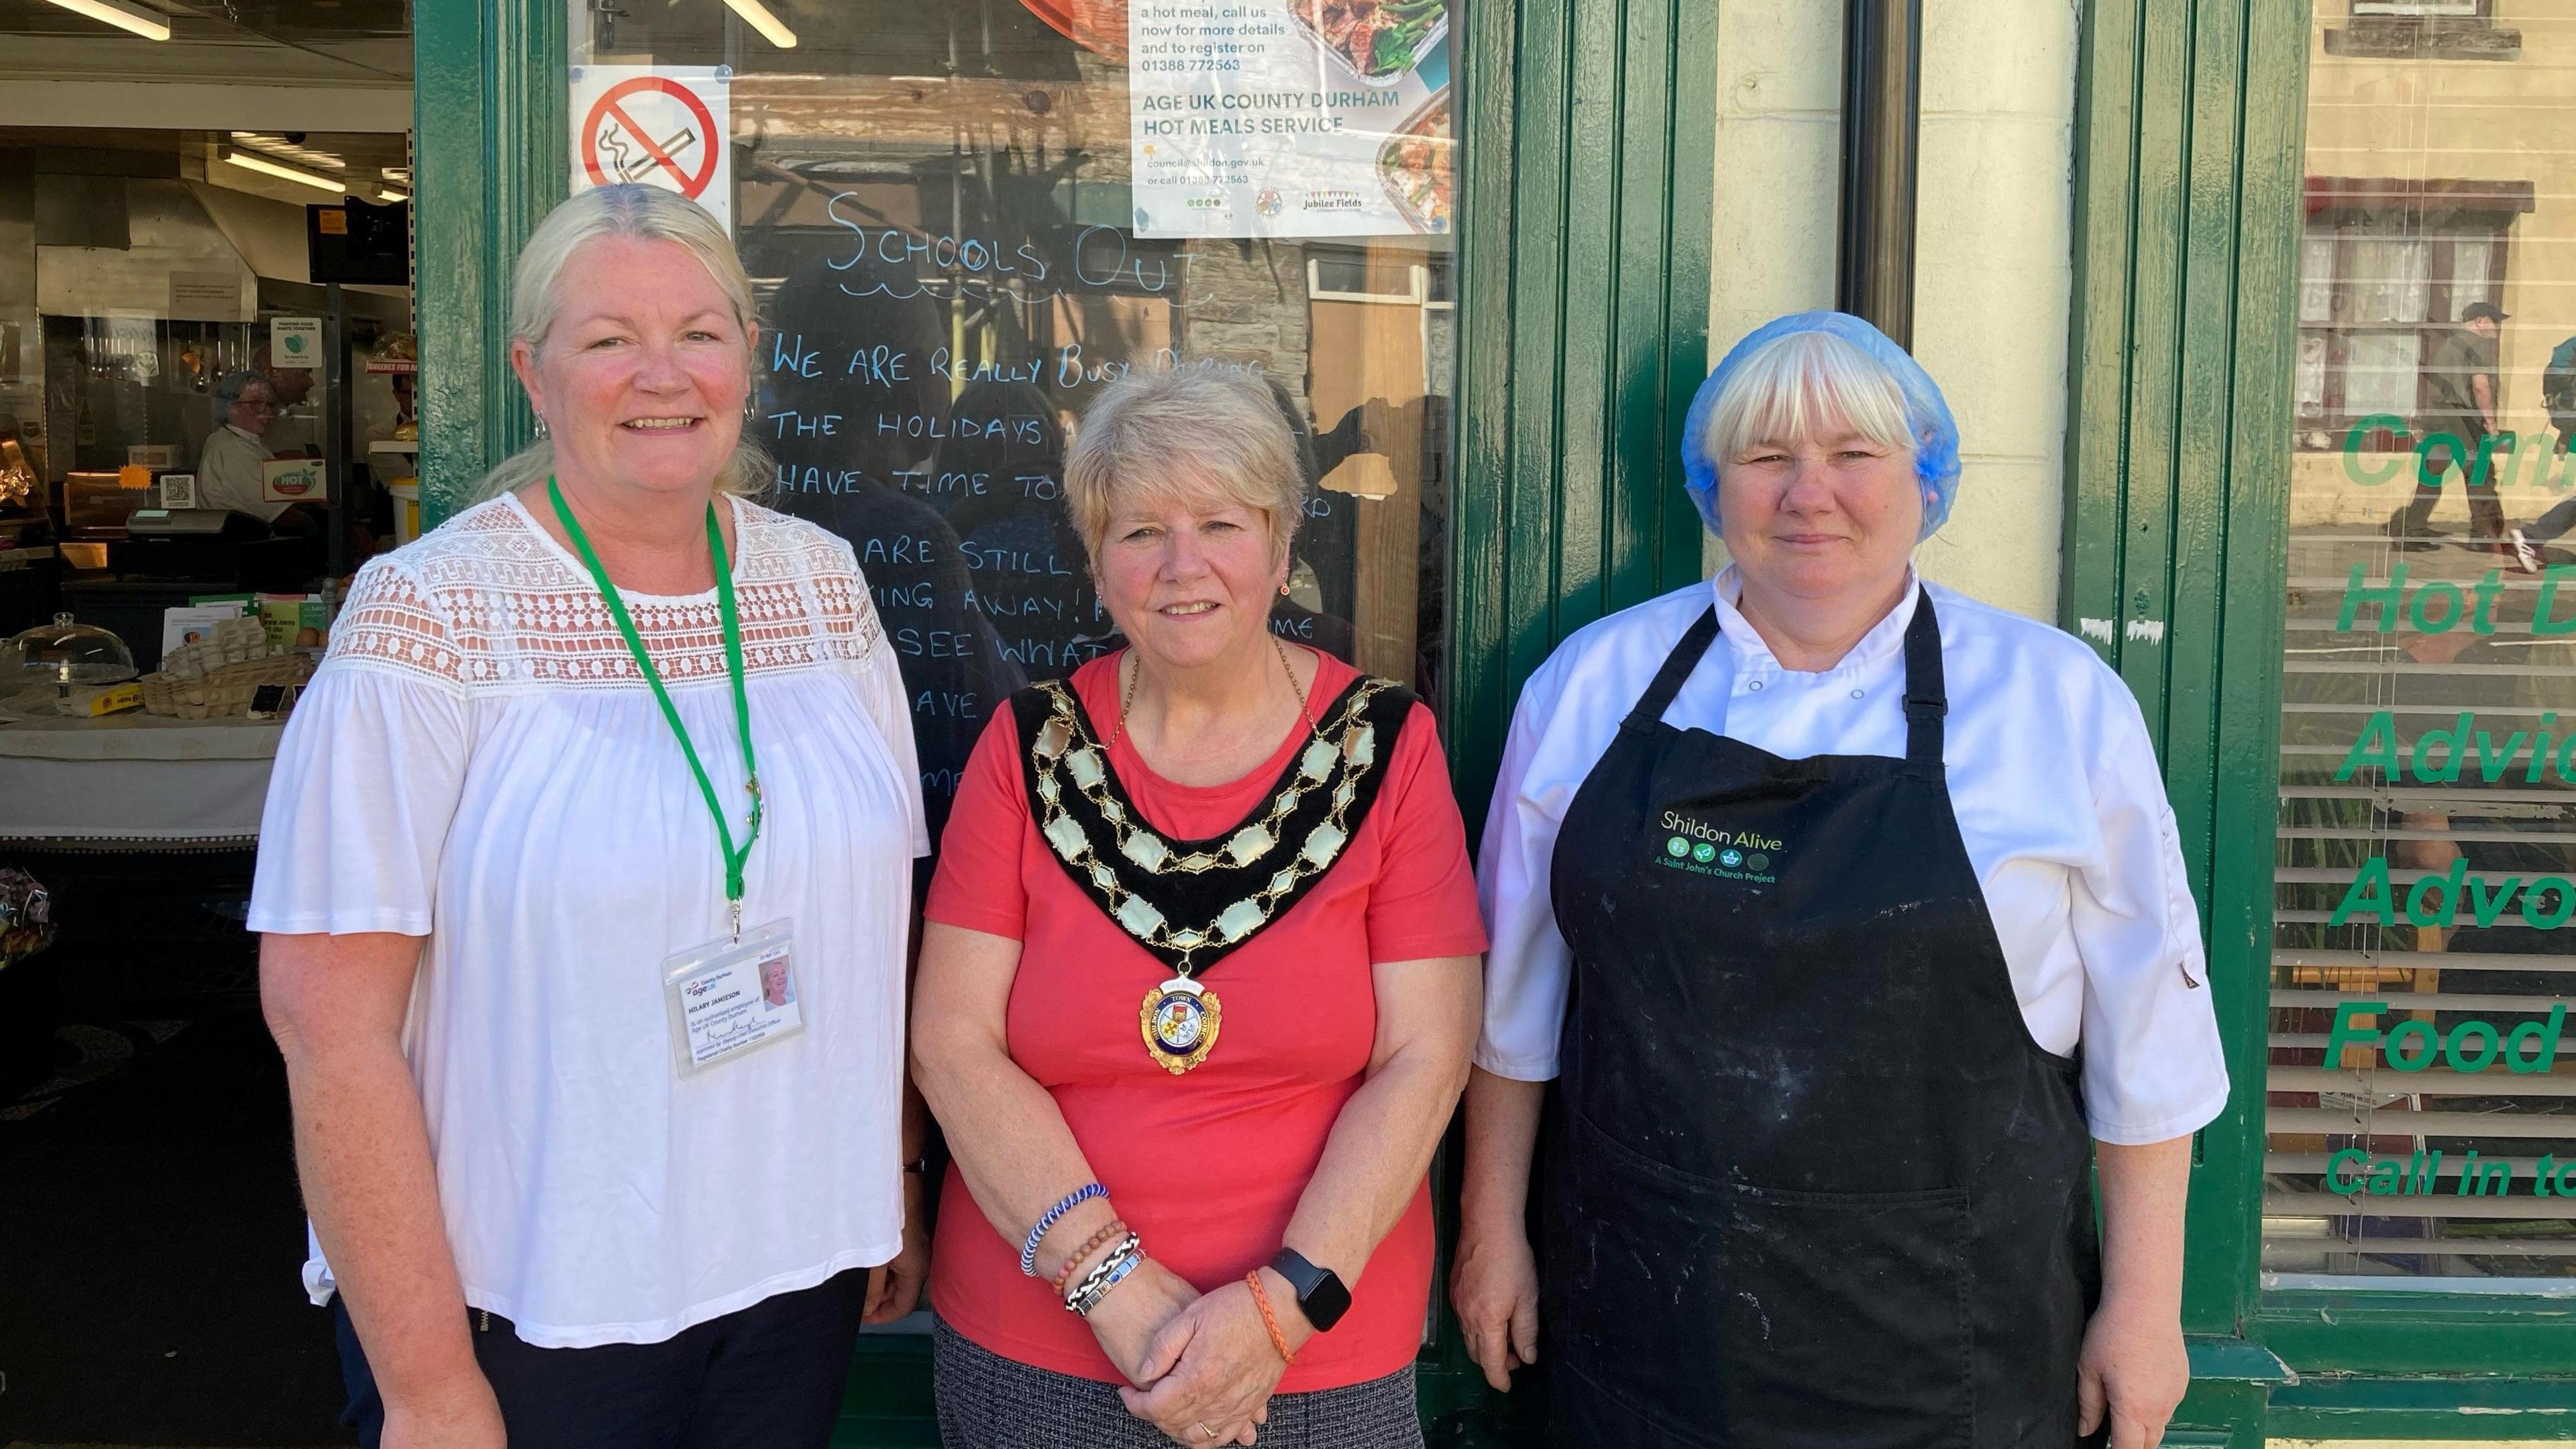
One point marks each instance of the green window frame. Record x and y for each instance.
(2189, 171)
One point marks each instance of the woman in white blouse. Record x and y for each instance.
(1849, 917)
(583, 768)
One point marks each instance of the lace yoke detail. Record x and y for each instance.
(487, 602)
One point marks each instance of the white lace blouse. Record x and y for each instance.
(478, 762)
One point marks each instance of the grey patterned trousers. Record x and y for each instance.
(987, 1401)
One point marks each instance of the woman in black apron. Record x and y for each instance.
(1812, 1176)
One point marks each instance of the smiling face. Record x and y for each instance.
(1188, 573)
(641, 379)
(1828, 516)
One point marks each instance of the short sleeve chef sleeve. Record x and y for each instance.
(368, 771)
(2154, 1068)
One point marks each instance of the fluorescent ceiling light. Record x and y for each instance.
(266, 167)
(150, 24)
(391, 196)
(754, 14)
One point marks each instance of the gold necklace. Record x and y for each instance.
(1127, 695)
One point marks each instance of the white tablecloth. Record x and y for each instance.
(131, 778)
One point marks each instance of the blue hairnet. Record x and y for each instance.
(1927, 417)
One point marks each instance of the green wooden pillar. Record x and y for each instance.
(1590, 128)
(2189, 122)
(490, 158)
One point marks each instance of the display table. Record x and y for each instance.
(131, 781)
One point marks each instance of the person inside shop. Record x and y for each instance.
(1197, 989)
(585, 771)
(2460, 423)
(1847, 916)
(229, 465)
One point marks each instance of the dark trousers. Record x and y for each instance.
(2486, 515)
(768, 1377)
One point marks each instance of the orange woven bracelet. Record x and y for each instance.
(1269, 1320)
(1064, 1275)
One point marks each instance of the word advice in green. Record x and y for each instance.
(2437, 756)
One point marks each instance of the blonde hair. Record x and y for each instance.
(1799, 383)
(645, 213)
(1149, 432)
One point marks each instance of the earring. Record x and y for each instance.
(750, 406)
(1283, 588)
(541, 425)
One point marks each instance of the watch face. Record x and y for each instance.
(1326, 1302)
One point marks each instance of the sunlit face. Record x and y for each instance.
(1821, 517)
(642, 378)
(1188, 575)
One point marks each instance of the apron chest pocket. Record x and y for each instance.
(1737, 1315)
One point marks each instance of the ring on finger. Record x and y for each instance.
(1204, 1431)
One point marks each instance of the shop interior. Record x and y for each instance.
(207, 362)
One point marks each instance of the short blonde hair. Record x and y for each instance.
(1199, 427)
(1799, 383)
(645, 213)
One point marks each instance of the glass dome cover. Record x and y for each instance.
(64, 653)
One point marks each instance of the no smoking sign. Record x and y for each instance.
(665, 126)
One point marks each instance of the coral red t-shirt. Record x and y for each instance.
(1208, 1166)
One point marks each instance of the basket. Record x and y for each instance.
(222, 691)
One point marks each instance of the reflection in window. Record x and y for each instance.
(2421, 1092)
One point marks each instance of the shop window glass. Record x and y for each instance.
(964, 217)
(2421, 1094)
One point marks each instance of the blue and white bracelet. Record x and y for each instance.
(1037, 1235)
(1113, 1270)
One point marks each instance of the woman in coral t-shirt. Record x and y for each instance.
(1198, 990)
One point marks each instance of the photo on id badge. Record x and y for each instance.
(728, 997)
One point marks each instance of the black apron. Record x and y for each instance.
(1812, 1182)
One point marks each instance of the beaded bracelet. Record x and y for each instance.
(1064, 1274)
(1125, 1263)
(1065, 1204)
(1129, 1246)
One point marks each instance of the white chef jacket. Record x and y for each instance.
(2090, 904)
(229, 474)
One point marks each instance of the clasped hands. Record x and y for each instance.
(1202, 1366)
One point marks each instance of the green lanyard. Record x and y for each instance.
(733, 859)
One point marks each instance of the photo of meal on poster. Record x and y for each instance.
(1290, 117)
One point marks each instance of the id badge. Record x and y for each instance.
(729, 997)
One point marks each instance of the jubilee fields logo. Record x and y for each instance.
(1704, 848)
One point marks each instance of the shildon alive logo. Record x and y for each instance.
(1705, 849)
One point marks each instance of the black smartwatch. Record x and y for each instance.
(1320, 1294)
